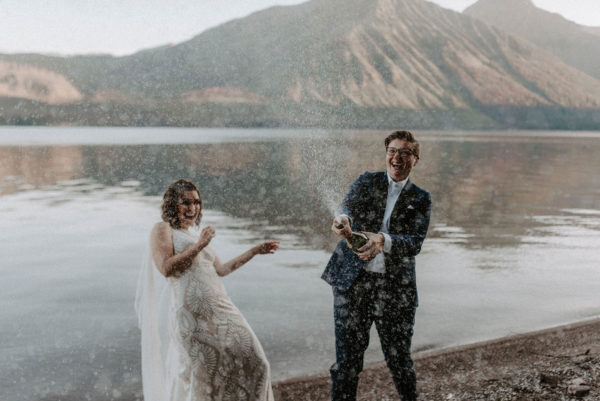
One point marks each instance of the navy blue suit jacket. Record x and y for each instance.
(365, 204)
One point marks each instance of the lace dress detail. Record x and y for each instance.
(213, 353)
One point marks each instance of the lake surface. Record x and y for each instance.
(513, 243)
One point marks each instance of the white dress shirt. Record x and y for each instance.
(377, 264)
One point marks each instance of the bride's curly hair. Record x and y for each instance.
(170, 205)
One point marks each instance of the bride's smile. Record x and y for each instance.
(189, 209)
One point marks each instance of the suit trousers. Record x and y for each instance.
(373, 298)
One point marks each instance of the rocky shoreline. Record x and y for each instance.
(560, 363)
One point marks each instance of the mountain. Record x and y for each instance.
(575, 44)
(353, 63)
(30, 82)
(594, 30)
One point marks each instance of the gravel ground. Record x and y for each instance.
(561, 363)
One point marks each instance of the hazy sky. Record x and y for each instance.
(124, 26)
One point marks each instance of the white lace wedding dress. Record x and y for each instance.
(210, 352)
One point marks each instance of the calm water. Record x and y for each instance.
(513, 243)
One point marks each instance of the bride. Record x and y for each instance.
(196, 345)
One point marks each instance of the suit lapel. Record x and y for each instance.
(380, 198)
(402, 202)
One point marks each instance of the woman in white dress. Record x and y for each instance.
(196, 345)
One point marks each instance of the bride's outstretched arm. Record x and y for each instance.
(224, 269)
(161, 242)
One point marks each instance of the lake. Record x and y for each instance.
(512, 246)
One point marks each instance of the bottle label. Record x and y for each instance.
(357, 241)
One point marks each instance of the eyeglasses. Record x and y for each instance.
(189, 202)
(403, 152)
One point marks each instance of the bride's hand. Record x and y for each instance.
(266, 247)
(206, 236)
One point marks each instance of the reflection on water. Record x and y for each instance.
(485, 189)
(512, 244)
(493, 190)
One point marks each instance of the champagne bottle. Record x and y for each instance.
(356, 240)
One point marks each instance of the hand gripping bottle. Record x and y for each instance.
(356, 240)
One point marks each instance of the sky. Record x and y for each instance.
(122, 27)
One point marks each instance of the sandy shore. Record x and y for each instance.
(561, 363)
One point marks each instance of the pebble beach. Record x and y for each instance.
(560, 363)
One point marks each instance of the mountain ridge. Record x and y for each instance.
(575, 44)
(320, 61)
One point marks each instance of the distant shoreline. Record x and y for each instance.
(542, 363)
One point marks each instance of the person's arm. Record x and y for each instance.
(403, 244)
(344, 214)
(410, 244)
(354, 199)
(161, 243)
(224, 269)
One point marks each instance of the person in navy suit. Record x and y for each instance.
(377, 282)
